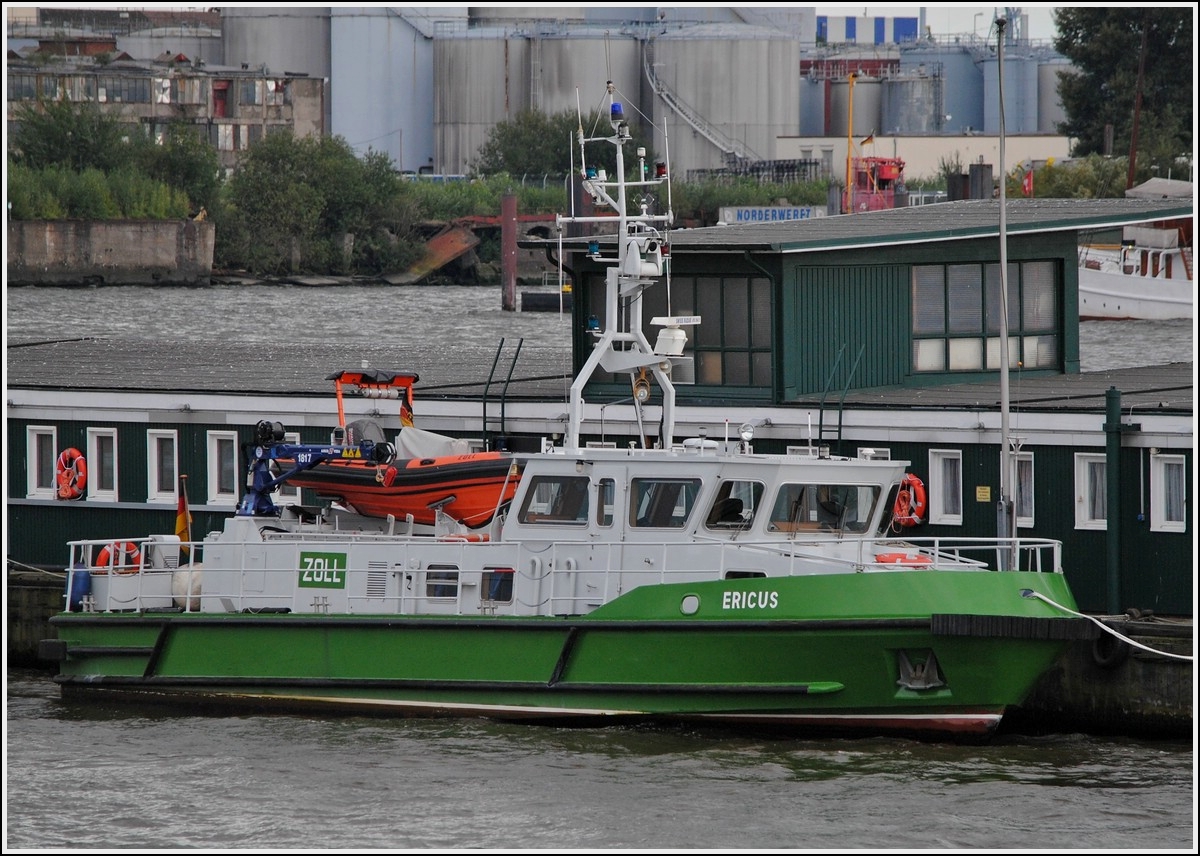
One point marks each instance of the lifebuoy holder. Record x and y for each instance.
(909, 508)
(124, 557)
(70, 474)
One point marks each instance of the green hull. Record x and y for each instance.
(945, 653)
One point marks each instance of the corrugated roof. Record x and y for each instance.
(943, 221)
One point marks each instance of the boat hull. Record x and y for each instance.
(470, 488)
(1108, 295)
(796, 652)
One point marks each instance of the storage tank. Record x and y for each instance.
(812, 106)
(912, 105)
(868, 111)
(962, 98)
(1020, 95)
(1050, 110)
(739, 92)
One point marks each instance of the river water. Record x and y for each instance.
(97, 777)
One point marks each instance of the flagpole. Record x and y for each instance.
(1005, 518)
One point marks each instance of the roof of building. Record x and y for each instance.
(943, 221)
(542, 372)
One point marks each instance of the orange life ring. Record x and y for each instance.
(71, 474)
(910, 502)
(472, 539)
(131, 562)
(906, 559)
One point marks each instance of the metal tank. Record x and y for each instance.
(812, 106)
(1050, 110)
(381, 65)
(1020, 95)
(868, 107)
(196, 45)
(723, 97)
(962, 96)
(913, 105)
(483, 81)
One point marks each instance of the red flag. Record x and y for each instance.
(1027, 183)
(183, 517)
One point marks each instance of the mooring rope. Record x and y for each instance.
(1105, 627)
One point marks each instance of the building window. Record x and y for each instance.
(956, 317)
(1024, 491)
(41, 455)
(1168, 493)
(731, 345)
(102, 463)
(1091, 492)
(222, 467)
(162, 466)
(945, 487)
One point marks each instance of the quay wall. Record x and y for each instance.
(110, 252)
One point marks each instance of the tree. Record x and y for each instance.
(1105, 46)
(537, 143)
(186, 162)
(74, 136)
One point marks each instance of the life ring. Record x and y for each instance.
(130, 564)
(71, 474)
(476, 538)
(905, 559)
(910, 501)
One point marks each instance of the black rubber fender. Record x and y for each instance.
(1108, 651)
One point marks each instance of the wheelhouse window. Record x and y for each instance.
(41, 454)
(102, 463)
(606, 493)
(162, 466)
(222, 467)
(1091, 498)
(662, 503)
(735, 505)
(556, 499)
(1168, 493)
(957, 314)
(813, 507)
(945, 487)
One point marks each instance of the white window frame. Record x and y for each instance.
(1159, 464)
(1024, 489)
(34, 489)
(153, 494)
(941, 491)
(216, 496)
(94, 490)
(1085, 488)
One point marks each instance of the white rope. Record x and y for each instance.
(1105, 627)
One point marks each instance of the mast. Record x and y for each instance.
(641, 261)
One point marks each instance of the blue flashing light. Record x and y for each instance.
(617, 114)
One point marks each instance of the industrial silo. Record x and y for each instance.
(812, 106)
(962, 98)
(1020, 95)
(913, 105)
(867, 100)
(1050, 111)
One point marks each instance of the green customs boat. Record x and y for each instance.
(697, 580)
